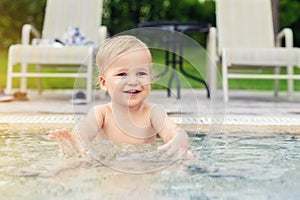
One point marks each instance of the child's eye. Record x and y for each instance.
(123, 74)
(141, 74)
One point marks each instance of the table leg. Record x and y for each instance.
(174, 76)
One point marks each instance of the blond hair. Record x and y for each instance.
(113, 47)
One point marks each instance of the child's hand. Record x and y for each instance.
(177, 145)
(67, 141)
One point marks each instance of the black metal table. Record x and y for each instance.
(170, 57)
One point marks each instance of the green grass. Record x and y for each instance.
(158, 60)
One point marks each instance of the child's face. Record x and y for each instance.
(128, 78)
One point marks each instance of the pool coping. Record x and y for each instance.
(227, 124)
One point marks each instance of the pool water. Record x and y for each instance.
(225, 166)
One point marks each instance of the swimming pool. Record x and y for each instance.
(226, 166)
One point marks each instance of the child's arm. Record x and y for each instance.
(80, 136)
(176, 139)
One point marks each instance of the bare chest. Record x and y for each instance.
(126, 129)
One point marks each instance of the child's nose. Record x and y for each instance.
(132, 79)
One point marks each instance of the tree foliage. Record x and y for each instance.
(120, 15)
(289, 16)
(13, 14)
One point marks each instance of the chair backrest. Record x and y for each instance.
(244, 24)
(61, 14)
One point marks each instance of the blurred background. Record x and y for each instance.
(122, 15)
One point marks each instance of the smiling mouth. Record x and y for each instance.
(132, 91)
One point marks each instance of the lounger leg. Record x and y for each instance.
(89, 81)
(89, 90)
(290, 82)
(39, 80)
(225, 77)
(212, 58)
(9, 77)
(212, 77)
(23, 79)
(276, 82)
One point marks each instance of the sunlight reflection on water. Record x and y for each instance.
(225, 166)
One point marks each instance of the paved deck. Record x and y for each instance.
(246, 111)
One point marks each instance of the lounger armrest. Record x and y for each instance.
(102, 33)
(28, 29)
(286, 33)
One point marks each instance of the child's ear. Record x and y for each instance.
(102, 83)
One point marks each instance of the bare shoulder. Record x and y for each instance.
(101, 109)
(100, 112)
(157, 110)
